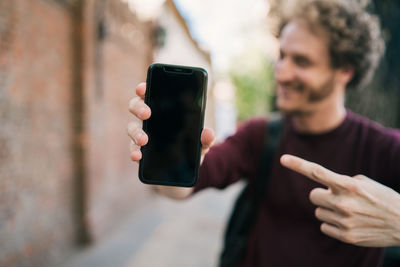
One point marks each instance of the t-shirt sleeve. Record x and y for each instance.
(237, 157)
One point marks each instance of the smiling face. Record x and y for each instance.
(305, 79)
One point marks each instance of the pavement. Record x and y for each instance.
(166, 233)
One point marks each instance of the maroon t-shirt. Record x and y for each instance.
(286, 232)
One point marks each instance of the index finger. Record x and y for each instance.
(314, 171)
(141, 90)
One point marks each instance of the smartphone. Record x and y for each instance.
(176, 96)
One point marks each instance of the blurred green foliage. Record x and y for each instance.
(253, 78)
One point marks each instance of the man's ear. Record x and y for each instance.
(346, 74)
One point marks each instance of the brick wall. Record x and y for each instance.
(126, 51)
(65, 175)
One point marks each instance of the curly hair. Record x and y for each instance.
(354, 35)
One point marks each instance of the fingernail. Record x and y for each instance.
(285, 159)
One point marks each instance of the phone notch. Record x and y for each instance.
(180, 70)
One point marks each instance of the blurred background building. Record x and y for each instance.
(67, 71)
(69, 194)
(177, 46)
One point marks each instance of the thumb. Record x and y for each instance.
(207, 138)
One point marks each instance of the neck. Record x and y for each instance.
(320, 120)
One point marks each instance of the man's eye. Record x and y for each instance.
(303, 62)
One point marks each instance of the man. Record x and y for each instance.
(329, 200)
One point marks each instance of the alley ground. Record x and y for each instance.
(166, 233)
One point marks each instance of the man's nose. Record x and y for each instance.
(284, 71)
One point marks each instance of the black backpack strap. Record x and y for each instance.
(246, 207)
(271, 142)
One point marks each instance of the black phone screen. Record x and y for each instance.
(176, 97)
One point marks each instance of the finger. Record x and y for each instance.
(329, 216)
(141, 90)
(207, 138)
(362, 178)
(314, 171)
(133, 146)
(136, 155)
(332, 231)
(135, 132)
(322, 197)
(138, 108)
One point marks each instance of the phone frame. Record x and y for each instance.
(176, 69)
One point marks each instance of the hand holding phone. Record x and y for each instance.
(175, 139)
